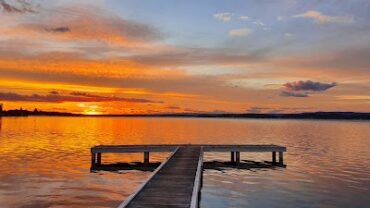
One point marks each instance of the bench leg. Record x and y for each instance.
(273, 157)
(281, 158)
(99, 159)
(237, 158)
(232, 157)
(93, 157)
(146, 158)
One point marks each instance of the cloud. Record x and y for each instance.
(324, 19)
(244, 18)
(200, 57)
(352, 61)
(16, 6)
(54, 92)
(259, 23)
(59, 29)
(78, 24)
(288, 35)
(256, 109)
(55, 97)
(112, 98)
(293, 94)
(304, 88)
(242, 32)
(308, 86)
(172, 107)
(224, 16)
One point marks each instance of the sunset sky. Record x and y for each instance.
(166, 56)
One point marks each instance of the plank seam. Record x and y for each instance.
(133, 195)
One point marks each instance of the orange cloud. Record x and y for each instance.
(55, 97)
(91, 25)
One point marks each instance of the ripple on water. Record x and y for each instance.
(45, 162)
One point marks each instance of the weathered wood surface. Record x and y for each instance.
(173, 185)
(172, 147)
(176, 183)
(132, 148)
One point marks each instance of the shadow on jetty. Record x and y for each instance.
(214, 165)
(245, 165)
(125, 166)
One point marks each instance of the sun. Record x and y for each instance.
(90, 109)
(91, 112)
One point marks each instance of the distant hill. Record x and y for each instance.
(307, 115)
(21, 112)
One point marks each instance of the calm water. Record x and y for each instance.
(45, 162)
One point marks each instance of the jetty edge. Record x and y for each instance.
(177, 182)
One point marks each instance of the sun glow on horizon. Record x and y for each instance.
(91, 112)
(95, 58)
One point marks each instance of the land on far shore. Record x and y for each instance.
(304, 115)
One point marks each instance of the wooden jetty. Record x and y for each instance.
(177, 182)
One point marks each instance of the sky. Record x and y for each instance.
(195, 56)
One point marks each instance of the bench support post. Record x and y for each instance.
(93, 157)
(281, 158)
(237, 155)
(273, 157)
(98, 159)
(232, 157)
(146, 158)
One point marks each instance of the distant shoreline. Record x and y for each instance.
(305, 115)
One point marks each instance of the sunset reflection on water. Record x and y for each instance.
(45, 161)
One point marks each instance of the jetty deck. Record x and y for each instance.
(177, 182)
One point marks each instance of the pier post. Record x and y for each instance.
(98, 159)
(273, 157)
(237, 154)
(146, 158)
(281, 158)
(93, 156)
(232, 157)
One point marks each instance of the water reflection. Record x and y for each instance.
(246, 165)
(125, 166)
(215, 165)
(46, 161)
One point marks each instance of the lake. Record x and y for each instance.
(45, 161)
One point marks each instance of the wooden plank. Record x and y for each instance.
(128, 200)
(159, 191)
(172, 147)
(132, 149)
(178, 180)
(243, 148)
